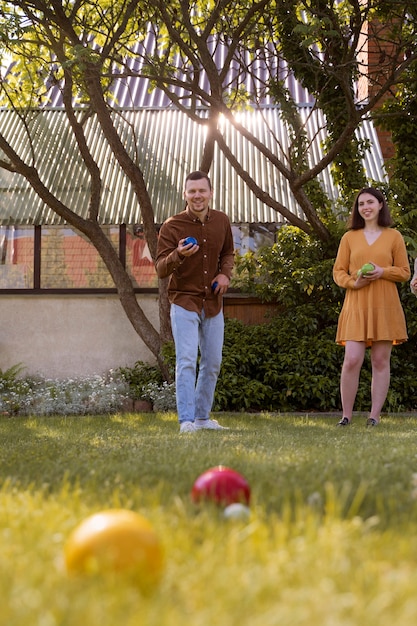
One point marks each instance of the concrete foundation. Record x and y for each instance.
(70, 336)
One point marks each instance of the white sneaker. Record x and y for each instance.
(187, 427)
(208, 425)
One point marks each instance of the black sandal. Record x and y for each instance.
(371, 422)
(343, 422)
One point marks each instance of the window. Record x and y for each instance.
(139, 263)
(59, 258)
(250, 237)
(70, 261)
(16, 257)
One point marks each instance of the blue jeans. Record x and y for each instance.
(191, 332)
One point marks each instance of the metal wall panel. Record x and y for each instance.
(166, 144)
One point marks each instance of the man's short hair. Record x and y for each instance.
(198, 175)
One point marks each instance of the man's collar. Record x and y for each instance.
(194, 217)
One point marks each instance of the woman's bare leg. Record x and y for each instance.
(381, 371)
(349, 380)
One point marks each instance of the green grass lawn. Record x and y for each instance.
(331, 540)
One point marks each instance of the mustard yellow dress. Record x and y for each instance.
(374, 312)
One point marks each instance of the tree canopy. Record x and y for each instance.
(211, 59)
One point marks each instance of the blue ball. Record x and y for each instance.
(192, 240)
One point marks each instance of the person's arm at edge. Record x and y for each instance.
(413, 282)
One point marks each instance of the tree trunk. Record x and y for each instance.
(135, 176)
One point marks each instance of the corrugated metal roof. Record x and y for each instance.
(167, 145)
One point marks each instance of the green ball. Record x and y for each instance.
(368, 267)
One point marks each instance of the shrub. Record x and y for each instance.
(144, 378)
(292, 363)
(39, 396)
(146, 383)
(162, 396)
(274, 367)
(13, 390)
(141, 378)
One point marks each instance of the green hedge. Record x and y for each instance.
(292, 363)
(286, 365)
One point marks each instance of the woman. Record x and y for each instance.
(371, 315)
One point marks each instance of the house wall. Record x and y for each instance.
(71, 336)
(67, 336)
(375, 53)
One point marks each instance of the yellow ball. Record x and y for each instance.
(116, 540)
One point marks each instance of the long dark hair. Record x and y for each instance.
(357, 222)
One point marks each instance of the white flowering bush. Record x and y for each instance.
(162, 396)
(146, 383)
(78, 396)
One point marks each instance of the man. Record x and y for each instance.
(199, 276)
